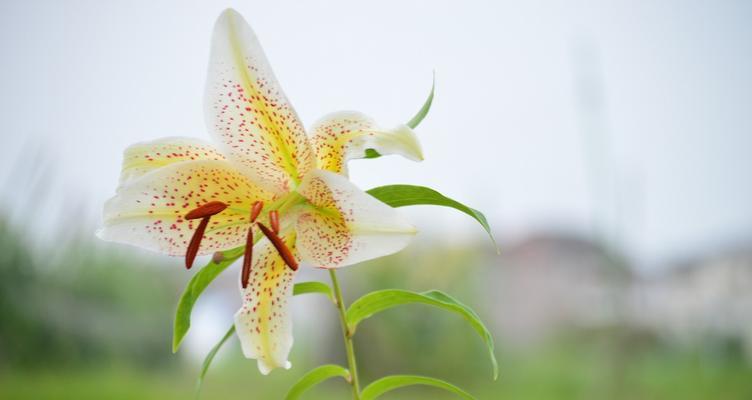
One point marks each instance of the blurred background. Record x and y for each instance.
(607, 142)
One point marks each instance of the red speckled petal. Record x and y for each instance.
(263, 323)
(247, 111)
(345, 225)
(346, 135)
(149, 211)
(143, 157)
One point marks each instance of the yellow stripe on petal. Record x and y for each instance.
(346, 135)
(263, 323)
(247, 111)
(149, 211)
(342, 225)
(143, 157)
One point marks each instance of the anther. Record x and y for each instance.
(274, 221)
(247, 258)
(193, 246)
(206, 210)
(256, 210)
(280, 245)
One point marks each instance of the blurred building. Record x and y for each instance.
(551, 283)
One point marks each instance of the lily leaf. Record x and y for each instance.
(314, 377)
(382, 300)
(195, 287)
(313, 287)
(411, 195)
(389, 383)
(210, 357)
(418, 118)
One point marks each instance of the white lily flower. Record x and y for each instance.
(262, 158)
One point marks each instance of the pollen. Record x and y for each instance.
(280, 245)
(256, 210)
(206, 210)
(193, 246)
(274, 221)
(247, 258)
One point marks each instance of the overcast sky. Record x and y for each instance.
(632, 116)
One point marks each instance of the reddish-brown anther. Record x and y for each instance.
(247, 258)
(274, 221)
(281, 247)
(207, 210)
(193, 246)
(256, 210)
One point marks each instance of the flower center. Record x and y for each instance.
(271, 234)
(206, 211)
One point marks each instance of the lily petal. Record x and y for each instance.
(149, 211)
(247, 111)
(143, 157)
(263, 323)
(346, 135)
(342, 225)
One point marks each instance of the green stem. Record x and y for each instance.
(347, 335)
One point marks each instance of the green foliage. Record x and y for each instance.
(195, 287)
(382, 300)
(371, 153)
(314, 377)
(210, 357)
(411, 195)
(389, 383)
(416, 120)
(313, 287)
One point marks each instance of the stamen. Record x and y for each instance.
(256, 210)
(207, 210)
(247, 258)
(274, 221)
(193, 246)
(280, 245)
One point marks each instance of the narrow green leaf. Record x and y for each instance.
(411, 195)
(195, 287)
(382, 300)
(313, 287)
(389, 383)
(210, 357)
(314, 377)
(416, 120)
